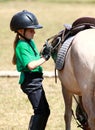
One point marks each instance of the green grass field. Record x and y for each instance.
(15, 110)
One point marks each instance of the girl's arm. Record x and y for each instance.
(33, 64)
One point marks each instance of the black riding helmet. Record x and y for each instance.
(23, 20)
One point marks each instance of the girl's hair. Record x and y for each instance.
(14, 46)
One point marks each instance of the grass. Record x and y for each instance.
(15, 110)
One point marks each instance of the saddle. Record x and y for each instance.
(68, 34)
(78, 25)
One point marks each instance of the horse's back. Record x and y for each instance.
(85, 42)
(83, 48)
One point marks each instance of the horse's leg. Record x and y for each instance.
(81, 114)
(88, 102)
(68, 108)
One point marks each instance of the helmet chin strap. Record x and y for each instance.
(27, 40)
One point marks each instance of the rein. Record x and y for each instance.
(52, 38)
(59, 38)
(49, 43)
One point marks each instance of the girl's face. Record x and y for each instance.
(28, 33)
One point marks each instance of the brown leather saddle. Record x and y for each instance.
(78, 25)
(67, 36)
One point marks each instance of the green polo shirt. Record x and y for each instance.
(25, 53)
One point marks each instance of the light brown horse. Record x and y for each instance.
(78, 74)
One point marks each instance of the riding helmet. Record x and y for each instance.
(24, 19)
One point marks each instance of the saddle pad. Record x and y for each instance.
(60, 61)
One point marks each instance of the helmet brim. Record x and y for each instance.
(37, 27)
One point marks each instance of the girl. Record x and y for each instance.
(27, 60)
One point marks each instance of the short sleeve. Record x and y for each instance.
(25, 54)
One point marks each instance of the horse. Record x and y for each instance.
(76, 71)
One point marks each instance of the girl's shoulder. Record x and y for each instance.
(22, 44)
